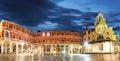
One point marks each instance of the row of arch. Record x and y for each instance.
(56, 49)
(14, 47)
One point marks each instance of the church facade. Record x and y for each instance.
(100, 39)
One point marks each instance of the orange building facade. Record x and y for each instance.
(52, 42)
(16, 39)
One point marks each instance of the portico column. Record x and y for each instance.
(16, 48)
(5, 49)
(22, 48)
(2, 47)
(64, 49)
(46, 48)
(60, 48)
(71, 49)
(51, 49)
(10, 48)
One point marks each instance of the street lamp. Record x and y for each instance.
(85, 45)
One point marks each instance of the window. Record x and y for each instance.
(88, 32)
(14, 27)
(67, 33)
(48, 34)
(67, 46)
(62, 33)
(6, 25)
(6, 34)
(43, 34)
(107, 33)
(88, 38)
(20, 38)
(108, 38)
(14, 37)
(57, 33)
(100, 37)
(71, 40)
(43, 41)
(52, 33)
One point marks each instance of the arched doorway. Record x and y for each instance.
(62, 49)
(13, 47)
(25, 48)
(7, 47)
(66, 48)
(48, 48)
(58, 49)
(29, 49)
(19, 48)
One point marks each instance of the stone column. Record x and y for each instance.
(10, 48)
(5, 49)
(51, 50)
(2, 47)
(60, 49)
(46, 48)
(22, 48)
(64, 48)
(16, 48)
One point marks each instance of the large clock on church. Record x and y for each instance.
(99, 28)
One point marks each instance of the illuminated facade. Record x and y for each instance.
(101, 39)
(58, 42)
(16, 39)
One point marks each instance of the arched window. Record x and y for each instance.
(6, 34)
(100, 37)
(108, 38)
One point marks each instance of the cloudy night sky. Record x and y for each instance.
(69, 15)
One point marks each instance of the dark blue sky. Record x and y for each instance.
(70, 15)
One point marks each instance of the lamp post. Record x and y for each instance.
(85, 45)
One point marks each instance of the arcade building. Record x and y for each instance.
(55, 42)
(100, 39)
(15, 39)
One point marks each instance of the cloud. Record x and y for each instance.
(70, 15)
(48, 26)
(25, 12)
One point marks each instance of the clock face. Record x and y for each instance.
(99, 28)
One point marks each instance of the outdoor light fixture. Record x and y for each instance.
(85, 43)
